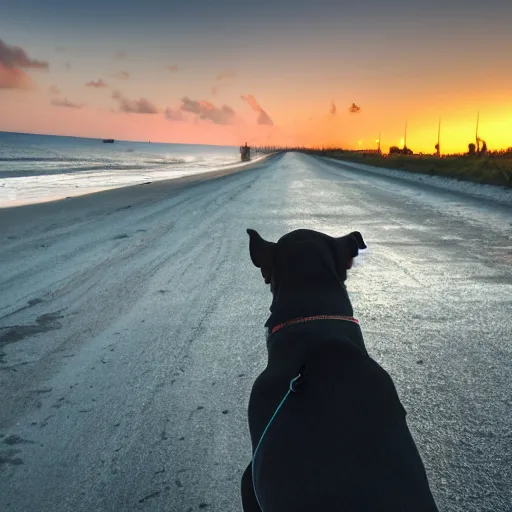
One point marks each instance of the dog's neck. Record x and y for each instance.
(293, 303)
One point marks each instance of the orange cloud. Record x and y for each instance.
(120, 55)
(172, 68)
(354, 108)
(206, 111)
(173, 115)
(16, 57)
(263, 117)
(141, 106)
(13, 60)
(225, 75)
(98, 84)
(122, 75)
(58, 102)
(223, 79)
(13, 78)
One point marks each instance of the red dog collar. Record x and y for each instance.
(310, 318)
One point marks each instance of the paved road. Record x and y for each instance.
(131, 332)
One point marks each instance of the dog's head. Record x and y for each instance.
(304, 258)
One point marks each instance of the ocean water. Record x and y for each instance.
(37, 168)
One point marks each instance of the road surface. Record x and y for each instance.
(131, 330)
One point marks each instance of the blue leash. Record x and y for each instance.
(290, 390)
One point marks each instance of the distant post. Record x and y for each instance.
(476, 136)
(438, 145)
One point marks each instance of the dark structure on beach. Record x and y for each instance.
(108, 141)
(245, 153)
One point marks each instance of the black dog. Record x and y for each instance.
(328, 430)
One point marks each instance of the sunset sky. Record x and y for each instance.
(276, 72)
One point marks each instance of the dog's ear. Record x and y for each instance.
(261, 253)
(348, 248)
(359, 239)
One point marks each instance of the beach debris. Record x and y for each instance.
(245, 153)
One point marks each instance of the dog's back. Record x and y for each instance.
(341, 441)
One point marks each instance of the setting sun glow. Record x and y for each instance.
(145, 74)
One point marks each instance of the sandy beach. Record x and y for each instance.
(131, 331)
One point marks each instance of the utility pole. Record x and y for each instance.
(405, 135)
(476, 136)
(439, 138)
(378, 140)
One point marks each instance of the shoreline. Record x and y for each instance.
(179, 181)
(17, 221)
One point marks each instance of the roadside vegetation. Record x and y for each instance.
(492, 169)
(477, 165)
